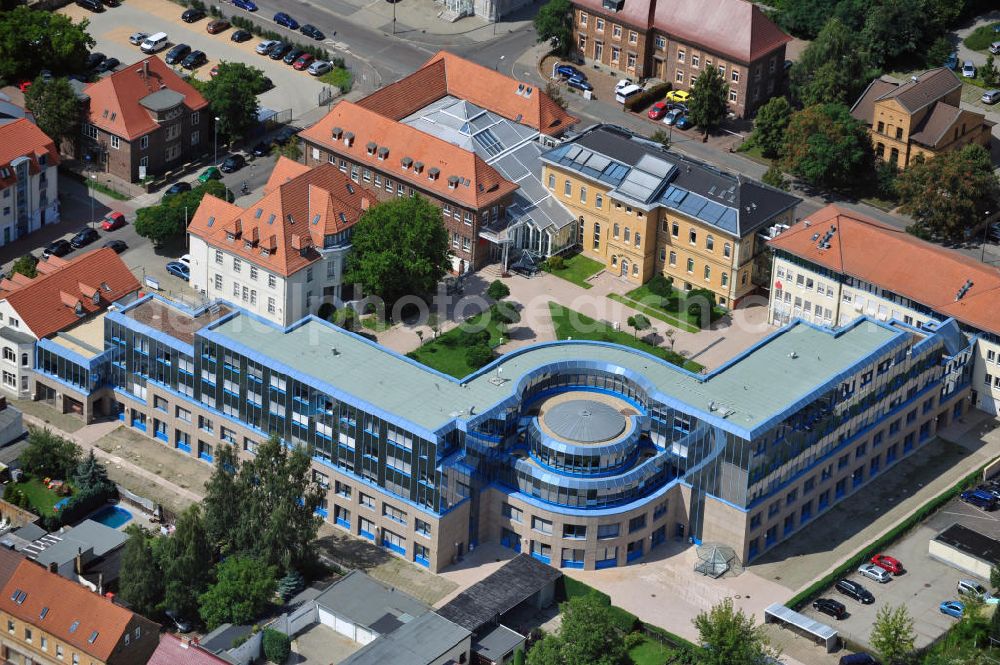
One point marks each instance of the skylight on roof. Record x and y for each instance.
(270, 220)
(93, 637)
(43, 613)
(73, 626)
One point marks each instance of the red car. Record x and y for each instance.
(304, 61)
(886, 562)
(23, 86)
(658, 110)
(112, 221)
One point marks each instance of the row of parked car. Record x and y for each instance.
(296, 57)
(986, 495)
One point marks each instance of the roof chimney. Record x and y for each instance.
(145, 69)
(365, 204)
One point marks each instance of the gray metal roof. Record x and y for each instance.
(85, 536)
(15, 336)
(644, 173)
(496, 643)
(162, 100)
(422, 641)
(584, 421)
(367, 602)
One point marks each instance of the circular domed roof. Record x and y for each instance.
(584, 421)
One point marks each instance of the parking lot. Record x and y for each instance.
(295, 90)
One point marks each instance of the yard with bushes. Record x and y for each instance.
(577, 268)
(459, 351)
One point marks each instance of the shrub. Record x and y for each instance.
(555, 263)
(634, 639)
(478, 355)
(661, 285)
(277, 645)
(498, 290)
(647, 97)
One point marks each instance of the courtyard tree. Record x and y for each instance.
(185, 558)
(770, 124)
(400, 247)
(48, 454)
(827, 147)
(222, 501)
(949, 195)
(554, 23)
(292, 149)
(140, 582)
(835, 67)
(892, 634)
(774, 177)
(25, 265)
(588, 633)
(709, 101)
(638, 322)
(91, 476)
(731, 637)
(56, 108)
(498, 290)
(244, 587)
(232, 98)
(31, 40)
(167, 220)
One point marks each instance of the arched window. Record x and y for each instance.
(616, 231)
(690, 265)
(709, 242)
(638, 239)
(725, 279)
(708, 273)
(628, 232)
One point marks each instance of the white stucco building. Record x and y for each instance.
(29, 195)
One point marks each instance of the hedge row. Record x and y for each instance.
(647, 97)
(882, 543)
(255, 29)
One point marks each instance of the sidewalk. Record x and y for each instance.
(425, 22)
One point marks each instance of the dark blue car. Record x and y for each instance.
(979, 499)
(952, 61)
(248, 5)
(283, 19)
(178, 269)
(570, 72)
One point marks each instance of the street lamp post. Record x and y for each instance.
(986, 232)
(497, 65)
(93, 176)
(393, 16)
(215, 139)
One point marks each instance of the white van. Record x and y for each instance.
(154, 43)
(627, 92)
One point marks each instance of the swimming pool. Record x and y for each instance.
(112, 516)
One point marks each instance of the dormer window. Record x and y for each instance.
(452, 181)
(336, 132)
(406, 162)
(371, 147)
(383, 152)
(418, 167)
(96, 299)
(433, 173)
(349, 139)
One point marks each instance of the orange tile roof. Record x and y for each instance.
(174, 650)
(115, 100)
(284, 170)
(22, 138)
(897, 261)
(448, 74)
(481, 186)
(734, 28)
(68, 603)
(289, 221)
(47, 303)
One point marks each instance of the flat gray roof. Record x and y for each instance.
(497, 643)
(87, 535)
(420, 642)
(369, 603)
(762, 383)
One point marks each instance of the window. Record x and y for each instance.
(600, 24)
(710, 243)
(423, 528)
(218, 282)
(512, 513)
(661, 42)
(552, 181)
(732, 95)
(616, 31)
(690, 265)
(695, 60)
(568, 188)
(583, 194)
(116, 142)
(693, 237)
(195, 138)
(366, 500)
(679, 76)
(538, 524)
(735, 76)
(673, 259)
(195, 117)
(680, 56)
(638, 239)
(636, 523)
(725, 279)
(393, 513)
(583, 18)
(605, 531)
(598, 201)
(144, 143)
(578, 531)
(633, 37)
(159, 403)
(237, 264)
(708, 273)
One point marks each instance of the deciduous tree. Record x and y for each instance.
(186, 560)
(554, 23)
(55, 107)
(770, 124)
(31, 40)
(827, 147)
(26, 265)
(168, 219)
(709, 101)
(731, 637)
(892, 634)
(638, 322)
(498, 290)
(140, 581)
(49, 455)
(834, 68)
(232, 97)
(588, 634)
(245, 586)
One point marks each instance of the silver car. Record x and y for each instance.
(990, 97)
(968, 69)
(137, 38)
(319, 68)
(873, 572)
(265, 46)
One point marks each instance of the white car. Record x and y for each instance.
(622, 84)
(265, 46)
(990, 97)
(137, 38)
(873, 572)
(319, 68)
(968, 69)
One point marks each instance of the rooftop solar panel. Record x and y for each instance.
(598, 162)
(712, 212)
(573, 151)
(658, 167)
(583, 157)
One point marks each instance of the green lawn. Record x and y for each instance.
(981, 38)
(373, 323)
(340, 77)
(677, 317)
(569, 323)
(446, 354)
(650, 652)
(578, 269)
(42, 498)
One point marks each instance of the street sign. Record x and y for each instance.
(152, 283)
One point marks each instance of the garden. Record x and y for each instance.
(690, 311)
(462, 350)
(576, 268)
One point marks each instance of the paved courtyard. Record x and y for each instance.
(321, 645)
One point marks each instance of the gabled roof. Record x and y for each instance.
(932, 128)
(737, 29)
(283, 229)
(448, 74)
(66, 610)
(928, 87)
(65, 292)
(116, 101)
(446, 170)
(174, 650)
(864, 109)
(897, 261)
(22, 138)
(637, 13)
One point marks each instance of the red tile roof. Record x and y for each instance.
(895, 260)
(115, 100)
(73, 612)
(174, 650)
(22, 138)
(637, 13)
(737, 29)
(48, 303)
(448, 74)
(289, 221)
(480, 184)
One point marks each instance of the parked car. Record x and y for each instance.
(261, 149)
(834, 608)
(83, 238)
(118, 245)
(969, 587)
(678, 96)
(95, 59)
(109, 65)
(211, 173)
(968, 69)
(658, 110)
(177, 54)
(979, 499)
(194, 60)
(683, 122)
(569, 72)
(888, 563)
(233, 163)
(995, 48)
(192, 15)
(292, 55)
(285, 135)
(673, 116)
(247, 5)
(312, 31)
(579, 84)
(137, 38)
(854, 590)
(952, 61)
(990, 97)
(320, 67)
(177, 188)
(858, 659)
(113, 220)
(264, 48)
(178, 269)
(93, 5)
(240, 36)
(186, 260)
(286, 21)
(216, 26)
(622, 84)
(279, 51)
(303, 61)
(59, 247)
(873, 572)
(952, 608)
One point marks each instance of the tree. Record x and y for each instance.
(222, 501)
(186, 558)
(400, 247)
(709, 101)
(774, 177)
(988, 72)
(555, 94)
(292, 150)
(770, 125)
(827, 147)
(937, 53)
(244, 588)
(92, 477)
(49, 455)
(279, 500)
(31, 40)
(277, 645)
(478, 355)
(26, 265)
(893, 30)
(662, 137)
(638, 322)
(995, 577)
(140, 583)
(55, 107)
(731, 637)
(949, 195)
(498, 290)
(168, 219)
(554, 22)
(834, 68)
(588, 634)
(892, 634)
(291, 584)
(232, 98)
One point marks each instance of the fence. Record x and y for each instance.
(15, 517)
(292, 624)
